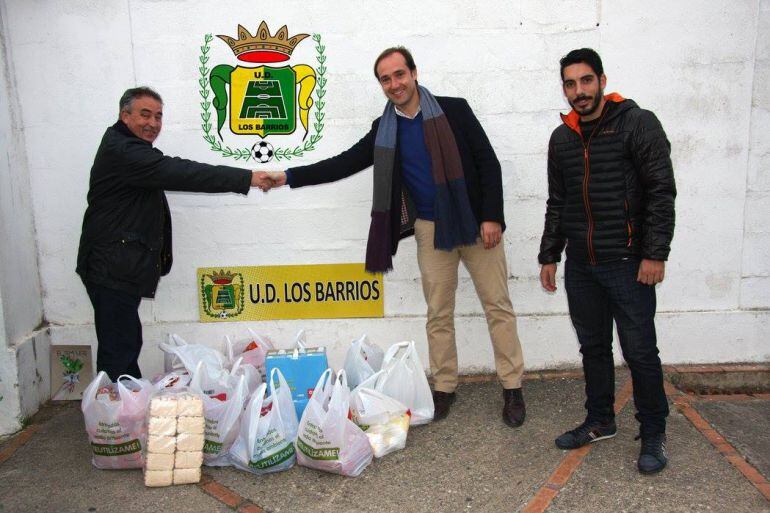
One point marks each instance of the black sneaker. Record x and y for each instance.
(652, 456)
(442, 401)
(586, 433)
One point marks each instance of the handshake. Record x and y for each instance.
(266, 180)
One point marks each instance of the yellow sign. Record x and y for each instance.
(322, 291)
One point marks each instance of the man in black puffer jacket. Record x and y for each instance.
(125, 245)
(611, 201)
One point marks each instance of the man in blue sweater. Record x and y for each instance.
(435, 176)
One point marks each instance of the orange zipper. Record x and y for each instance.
(628, 223)
(586, 201)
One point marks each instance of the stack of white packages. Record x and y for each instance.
(175, 439)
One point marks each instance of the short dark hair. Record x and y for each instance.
(137, 92)
(586, 55)
(390, 51)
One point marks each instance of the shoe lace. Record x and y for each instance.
(654, 445)
(582, 430)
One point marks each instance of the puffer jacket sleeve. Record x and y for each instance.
(652, 158)
(552, 242)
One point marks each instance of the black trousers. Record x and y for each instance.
(597, 295)
(118, 330)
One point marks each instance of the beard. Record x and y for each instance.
(591, 108)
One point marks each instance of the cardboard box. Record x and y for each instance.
(301, 368)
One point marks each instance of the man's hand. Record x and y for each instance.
(262, 180)
(491, 234)
(278, 178)
(548, 277)
(266, 180)
(651, 271)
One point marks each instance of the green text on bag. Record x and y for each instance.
(328, 453)
(277, 458)
(116, 450)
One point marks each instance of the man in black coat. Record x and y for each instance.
(435, 176)
(611, 200)
(125, 245)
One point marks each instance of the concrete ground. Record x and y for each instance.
(469, 462)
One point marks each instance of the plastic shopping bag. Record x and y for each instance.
(327, 439)
(176, 379)
(253, 379)
(362, 360)
(404, 379)
(188, 355)
(224, 396)
(252, 350)
(268, 430)
(384, 419)
(114, 415)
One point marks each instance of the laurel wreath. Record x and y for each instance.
(245, 153)
(206, 306)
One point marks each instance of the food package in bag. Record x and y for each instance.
(114, 415)
(252, 349)
(223, 397)
(175, 379)
(327, 439)
(268, 429)
(384, 420)
(362, 360)
(403, 379)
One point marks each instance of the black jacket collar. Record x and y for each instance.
(122, 128)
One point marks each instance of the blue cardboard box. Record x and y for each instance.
(301, 368)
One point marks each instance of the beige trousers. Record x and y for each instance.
(489, 272)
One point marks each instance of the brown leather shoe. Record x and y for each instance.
(441, 403)
(514, 409)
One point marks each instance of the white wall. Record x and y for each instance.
(21, 307)
(701, 66)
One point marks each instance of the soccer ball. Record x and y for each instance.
(262, 152)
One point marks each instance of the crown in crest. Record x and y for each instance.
(222, 277)
(262, 47)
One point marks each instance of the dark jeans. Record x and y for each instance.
(118, 330)
(597, 295)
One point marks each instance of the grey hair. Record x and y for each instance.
(137, 92)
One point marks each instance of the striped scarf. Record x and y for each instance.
(455, 224)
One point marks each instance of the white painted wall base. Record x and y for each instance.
(548, 341)
(26, 380)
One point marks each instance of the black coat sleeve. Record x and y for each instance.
(651, 152)
(488, 166)
(147, 167)
(552, 242)
(356, 158)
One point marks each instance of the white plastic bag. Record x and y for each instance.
(253, 379)
(384, 419)
(404, 379)
(362, 360)
(176, 379)
(253, 350)
(268, 429)
(300, 340)
(114, 415)
(224, 396)
(190, 354)
(327, 439)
